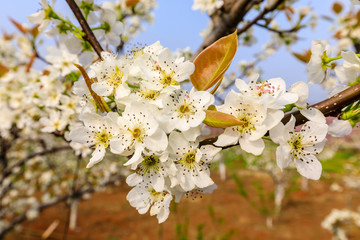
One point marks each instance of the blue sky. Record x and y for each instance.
(177, 26)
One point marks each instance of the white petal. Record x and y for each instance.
(102, 88)
(283, 157)
(254, 147)
(340, 128)
(157, 141)
(133, 179)
(97, 155)
(310, 167)
(313, 114)
(229, 137)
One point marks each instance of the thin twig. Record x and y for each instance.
(42, 207)
(88, 33)
(293, 29)
(8, 170)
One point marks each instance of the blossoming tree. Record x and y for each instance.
(94, 99)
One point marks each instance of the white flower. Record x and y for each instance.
(143, 196)
(355, 2)
(184, 110)
(166, 71)
(62, 59)
(111, 74)
(208, 6)
(257, 120)
(112, 29)
(138, 130)
(347, 73)
(272, 92)
(192, 163)
(300, 146)
(152, 169)
(55, 122)
(301, 89)
(42, 17)
(98, 132)
(317, 71)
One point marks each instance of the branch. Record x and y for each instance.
(226, 22)
(329, 107)
(42, 207)
(293, 29)
(8, 170)
(88, 33)
(260, 16)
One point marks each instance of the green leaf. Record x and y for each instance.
(220, 119)
(212, 63)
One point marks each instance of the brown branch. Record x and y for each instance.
(226, 22)
(88, 33)
(42, 207)
(8, 170)
(293, 29)
(329, 107)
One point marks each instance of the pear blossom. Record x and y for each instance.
(208, 6)
(139, 130)
(272, 92)
(62, 59)
(300, 146)
(192, 163)
(317, 71)
(153, 169)
(348, 72)
(256, 122)
(111, 28)
(301, 89)
(55, 122)
(42, 17)
(167, 71)
(143, 196)
(111, 74)
(97, 131)
(184, 110)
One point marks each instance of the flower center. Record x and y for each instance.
(102, 138)
(297, 145)
(156, 196)
(149, 163)
(168, 79)
(247, 126)
(115, 79)
(188, 160)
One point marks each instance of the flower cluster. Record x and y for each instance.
(153, 121)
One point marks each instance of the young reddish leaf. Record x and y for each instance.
(304, 57)
(3, 69)
(19, 26)
(220, 119)
(130, 3)
(212, 63)
(99, 101)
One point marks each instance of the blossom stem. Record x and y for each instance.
(88, 33)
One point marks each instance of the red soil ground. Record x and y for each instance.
(225, 214)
